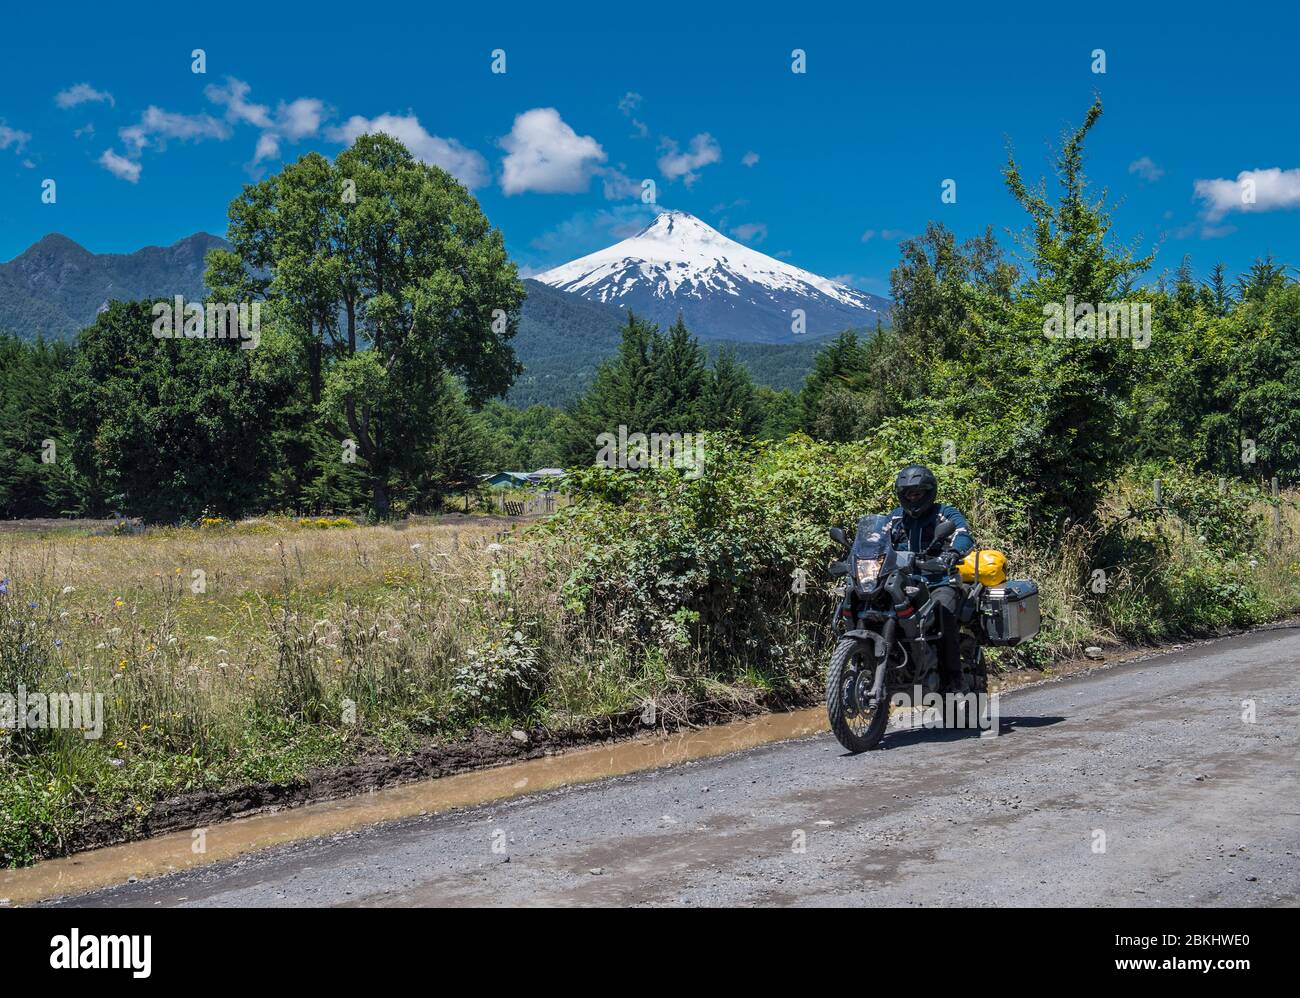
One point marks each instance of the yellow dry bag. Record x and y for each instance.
(992, 567)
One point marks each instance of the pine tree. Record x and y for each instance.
(1220, 293)
(729, 401)
(681, 376)
(839, 364)
(624, 392)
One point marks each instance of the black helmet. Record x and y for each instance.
(916, 488)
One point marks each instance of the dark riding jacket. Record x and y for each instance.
(920, 532)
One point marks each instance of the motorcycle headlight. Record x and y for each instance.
(868, 570)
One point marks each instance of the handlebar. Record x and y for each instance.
(932, 566)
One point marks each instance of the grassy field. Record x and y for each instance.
(233, 654)
(230, 655)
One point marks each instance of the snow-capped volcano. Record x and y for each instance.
(723, 289)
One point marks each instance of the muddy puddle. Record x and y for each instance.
(185, 850)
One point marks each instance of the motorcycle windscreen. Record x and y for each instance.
(872, 540)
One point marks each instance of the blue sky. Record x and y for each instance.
(828, 169)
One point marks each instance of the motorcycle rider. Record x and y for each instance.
(913, 523)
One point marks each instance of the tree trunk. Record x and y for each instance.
(381, 499)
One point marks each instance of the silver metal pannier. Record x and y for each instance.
(1009, 612)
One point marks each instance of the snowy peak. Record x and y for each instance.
(723, 288)
(681, 226)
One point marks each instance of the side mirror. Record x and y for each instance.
(839, 536)
(944, 530)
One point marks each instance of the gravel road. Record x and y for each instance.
(1195, 806)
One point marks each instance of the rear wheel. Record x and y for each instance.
(856, 724)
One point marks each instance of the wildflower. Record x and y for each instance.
(69, 589)
(4, 587)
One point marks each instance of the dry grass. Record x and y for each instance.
(246, 568)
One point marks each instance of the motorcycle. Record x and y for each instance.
(888, 624)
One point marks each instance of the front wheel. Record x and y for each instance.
(857, 725)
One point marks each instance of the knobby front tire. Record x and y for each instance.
(855, 733)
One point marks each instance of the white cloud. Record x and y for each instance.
(13, 137)
(156, 126)
(545, 155)
(616, 184)
(673, 163)
(301, 118)
(464, 164)
(87, 129)
(268, 147)
(294, 121)
(750, 158)
(233, 96)
(1147, 169)
(83, 93)
(750, 232)
(1273, 190)
(628, 104)
(120, 166)
(869, 235)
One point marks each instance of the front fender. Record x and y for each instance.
(877, 642)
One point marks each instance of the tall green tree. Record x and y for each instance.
(168, 428)
(838, 368)
(1065, 399)
(681, 377)
(624, 392)
(729, 401)
(37, 477)
(395, 280)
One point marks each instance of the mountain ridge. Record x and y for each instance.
(55, 287)
(722, 288)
